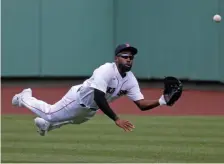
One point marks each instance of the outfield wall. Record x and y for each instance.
(60, 38)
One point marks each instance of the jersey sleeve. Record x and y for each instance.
(134, 93)
(101, 78)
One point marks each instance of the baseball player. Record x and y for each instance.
(108, 82)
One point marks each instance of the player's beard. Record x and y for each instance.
(124, 68)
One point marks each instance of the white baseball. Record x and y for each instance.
(217, 18)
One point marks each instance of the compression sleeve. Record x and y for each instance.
(102, 103)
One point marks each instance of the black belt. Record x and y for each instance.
(94, 109)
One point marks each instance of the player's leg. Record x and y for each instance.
(81, 115)
(66, 109)
(44, 126)
(25, 99)
(39, 107)
(52, 113)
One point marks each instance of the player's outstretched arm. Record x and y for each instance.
(102, 103)
(171, 94)
(149, 104)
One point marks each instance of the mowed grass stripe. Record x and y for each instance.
(141, 131)
(145, 129)
(158, 154)
(146, 124)
(147, 140)
(95, 142)
(74, 158)
(110, 146)
(119, 153)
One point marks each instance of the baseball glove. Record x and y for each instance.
(172, 90)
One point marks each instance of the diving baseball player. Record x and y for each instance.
(107, 83)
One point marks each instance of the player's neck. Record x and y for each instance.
(122, 73)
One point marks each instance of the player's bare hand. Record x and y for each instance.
(125, 124)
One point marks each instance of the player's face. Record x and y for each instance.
(124, 61)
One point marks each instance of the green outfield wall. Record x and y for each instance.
(42, 38)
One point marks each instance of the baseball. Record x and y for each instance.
(217, 18)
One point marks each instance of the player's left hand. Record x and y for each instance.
(173, 88)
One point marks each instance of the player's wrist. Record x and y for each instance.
(116, 118)
(162, 100)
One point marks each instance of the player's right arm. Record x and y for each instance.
(100, 81)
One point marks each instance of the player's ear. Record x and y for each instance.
(116, 58)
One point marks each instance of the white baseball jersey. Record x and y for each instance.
(107, 79)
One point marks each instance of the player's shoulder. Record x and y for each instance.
(132, 77)
(106, 67)
(130, 74)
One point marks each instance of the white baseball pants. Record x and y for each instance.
(66, 109)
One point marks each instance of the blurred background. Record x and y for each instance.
(50, 45)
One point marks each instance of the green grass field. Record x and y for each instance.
(155, 139)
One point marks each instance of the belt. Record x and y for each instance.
(94, 109)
